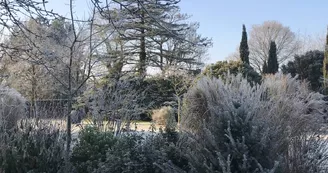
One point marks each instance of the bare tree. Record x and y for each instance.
(310, 42)
(118, 103)
(66, 52)
(261, 37)
(235, 56)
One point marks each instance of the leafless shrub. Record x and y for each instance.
(117, 103)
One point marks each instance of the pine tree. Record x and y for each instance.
(243, 48)
(325, 64)
(273, 61)
(154, 33)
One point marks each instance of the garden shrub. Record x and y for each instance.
(136, 153)
(163, 115)
(12, 107)
(231, 126)
(221, 69)
(27, 145)
(32, 149)
(99, 151)
(91, 149)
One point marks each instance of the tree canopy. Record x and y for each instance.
(308, 67)
(260, 38)
(221, 68)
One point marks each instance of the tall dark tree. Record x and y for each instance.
(325, 63)
(265, 68)
(273, 61)
(243, 48)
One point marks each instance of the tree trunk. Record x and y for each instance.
(179, 111)
(161, 57)
(33, 99)
(69, 110)
(142, 55)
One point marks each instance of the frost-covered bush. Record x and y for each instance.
(32, 148)
(136, 153)
(12, 107)
(99, 151)
(231, 126)
(27, 145)
(163, 115)
(91, 149)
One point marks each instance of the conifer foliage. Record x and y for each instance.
(243, 49)
(272, 61)
(265, 68)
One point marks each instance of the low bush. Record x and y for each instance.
(32, 149)
(99, 151)
(134, 153)
(12, 107)
(26, 145)
(163, 115)
(91, 149)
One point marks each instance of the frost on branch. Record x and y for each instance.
(117, 103)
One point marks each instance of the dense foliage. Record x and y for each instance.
(91, 149)
(99, 151)
(221, 68)
(162, 90)
(239, 128)
(307, 67)
(29, 149)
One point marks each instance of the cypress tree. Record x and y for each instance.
(243, 48)
(325, 64)
(265, 68)
(273, 61)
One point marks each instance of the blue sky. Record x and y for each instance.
(222, 20)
